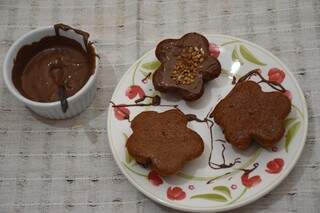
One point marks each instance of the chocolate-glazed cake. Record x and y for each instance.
(185, 66)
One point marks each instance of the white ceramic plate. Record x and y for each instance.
(198, 187)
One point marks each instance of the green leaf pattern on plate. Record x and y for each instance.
(153, 65)
(229, 42)
(235, 56)
(211, 196)
(128, 157)
(291, 133)
(144, 73)
(223, 189)
(248, 55)
(134, 171)
(288, 122)
(242, 193)
(125, 136)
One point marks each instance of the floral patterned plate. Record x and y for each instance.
(222, 178)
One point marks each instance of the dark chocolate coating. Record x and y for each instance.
(167, 52)
(248, 114)
(163, 141)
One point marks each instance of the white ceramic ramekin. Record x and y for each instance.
(77, 103)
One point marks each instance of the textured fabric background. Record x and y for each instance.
(67, 166)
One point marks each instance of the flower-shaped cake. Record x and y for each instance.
(185, 66)
(248, 114)
(163, 141)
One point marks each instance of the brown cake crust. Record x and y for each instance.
(170, 52)
(163, 141)
(248, 114)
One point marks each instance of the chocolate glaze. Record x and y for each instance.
(155, 101)
(54, 68)
(248, 171)
(168, 51)
(234, 80)
(63, 99)
(223, 165)
(145, 79)
(218, 177)
(210, 124)
(126, 114)
(193, 117)
(257, 72)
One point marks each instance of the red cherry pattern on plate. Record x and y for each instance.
(175, 193)
(214, 50)
(250, 181)
(155, 178)
(133, 91)
(121, 112)
(275, 166)
(276, 75)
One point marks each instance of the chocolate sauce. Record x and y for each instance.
(85, 35)
(213, 179)
(234, 80)
(126, 115)
(144, 80)
(248, 171)
(221, 140)
(210, 124)
(155, 101)
(223, 165)
(192, 117)
(41, 69)
(256, 72)
(63, 99)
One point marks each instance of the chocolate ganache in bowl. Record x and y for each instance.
(54, 67)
